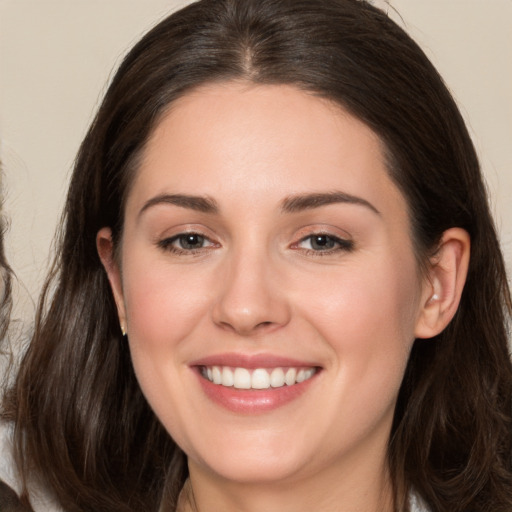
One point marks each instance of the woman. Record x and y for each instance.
(278, 286)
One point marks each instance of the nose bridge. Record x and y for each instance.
(250, 298)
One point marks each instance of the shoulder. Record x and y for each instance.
(10, 483)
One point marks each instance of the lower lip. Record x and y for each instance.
(253, 401)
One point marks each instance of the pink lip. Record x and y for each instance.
(251, 361)
(251, 401)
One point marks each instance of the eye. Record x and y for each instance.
(320, 242)
(184, 243)
(190, 241)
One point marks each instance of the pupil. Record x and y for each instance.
(322, 242)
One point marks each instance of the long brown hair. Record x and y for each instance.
(83, 426)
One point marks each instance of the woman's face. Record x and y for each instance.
(268, 284)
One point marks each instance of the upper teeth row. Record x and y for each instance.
(260, 378)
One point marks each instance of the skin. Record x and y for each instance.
(258, 285)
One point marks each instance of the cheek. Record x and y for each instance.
(163, 305)
(163, 308)
(367, 315)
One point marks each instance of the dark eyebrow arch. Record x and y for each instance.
(197, 203)
(302, 202)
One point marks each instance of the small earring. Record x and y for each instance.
(123, 330)
(434, 297)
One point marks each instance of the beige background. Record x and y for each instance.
(57, 55)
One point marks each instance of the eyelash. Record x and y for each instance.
(167, 244)
(339, 244)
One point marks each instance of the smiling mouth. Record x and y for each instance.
(257, 378)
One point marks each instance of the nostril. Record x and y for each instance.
(264, 325)
(248, 329)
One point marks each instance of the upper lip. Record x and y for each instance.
(252, 361)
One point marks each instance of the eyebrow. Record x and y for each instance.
(291, 204)
(302, 202)
(197, 203)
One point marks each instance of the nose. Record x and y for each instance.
(251, 298)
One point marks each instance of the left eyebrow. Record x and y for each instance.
(302, 202)
(197, 203)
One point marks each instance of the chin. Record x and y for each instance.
(245, 469)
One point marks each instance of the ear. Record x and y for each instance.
(105, 248)
(444, 283)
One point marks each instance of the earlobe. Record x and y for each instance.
(105, 248)
(444, 284)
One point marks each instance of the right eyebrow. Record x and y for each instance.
(316, 200)
(198, 203)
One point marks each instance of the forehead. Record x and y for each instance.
(240, 138)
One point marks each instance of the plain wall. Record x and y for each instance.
(57, 56)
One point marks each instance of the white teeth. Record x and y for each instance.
(242, 378)
(217, 375)
(260, 378)
(289, 378)
(227, 377)
(277, 378)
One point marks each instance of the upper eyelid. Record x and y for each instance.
(188, 232)
(316, 229)
(184, 229)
